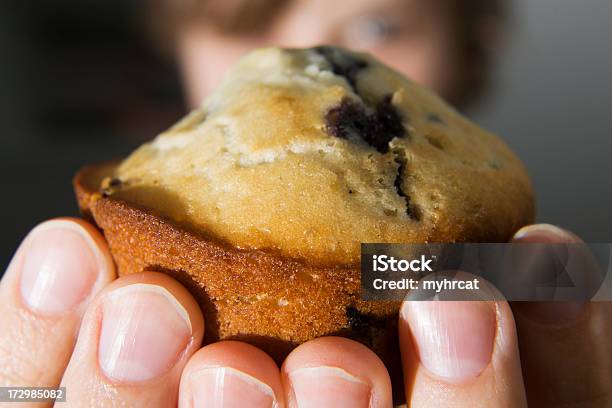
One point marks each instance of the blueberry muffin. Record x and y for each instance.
(259, 199)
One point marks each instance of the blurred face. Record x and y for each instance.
(413, 36)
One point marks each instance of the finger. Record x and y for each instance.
(231, 374)
(565, 346)
(54, 274)
(460, 353)
(135, 339)
(334, 371)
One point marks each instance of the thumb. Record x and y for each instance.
(461, 353)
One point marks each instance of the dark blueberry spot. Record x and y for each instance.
(362, 327)
(397, 183)
(115, 182)
(111, 186)
(388, 121)
(359, 321)
(355, 319)
(494, 164)
(401, 161)
(433, 118)
(434, 142)
(350, 191)
(351, 120)
(343, 63)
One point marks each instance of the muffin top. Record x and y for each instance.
(306, 153)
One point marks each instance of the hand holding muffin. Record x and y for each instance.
(138, 337)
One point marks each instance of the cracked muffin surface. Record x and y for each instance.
(307, 153)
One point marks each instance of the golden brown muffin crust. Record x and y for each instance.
(278, 159)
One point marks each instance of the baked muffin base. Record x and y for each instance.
(254, 296)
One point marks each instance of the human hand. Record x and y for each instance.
(146, 352)
(135, 341)
(565, 347)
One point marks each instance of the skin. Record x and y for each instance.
(42, 350)
(415, 37)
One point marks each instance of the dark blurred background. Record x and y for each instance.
(81, 83)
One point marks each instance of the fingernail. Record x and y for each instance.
(60, 267)
(543, 233)
(328, 386)
(454, 339)
(144, 331)
(226, 387)
(545, 267)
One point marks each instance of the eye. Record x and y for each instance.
(370, 30)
